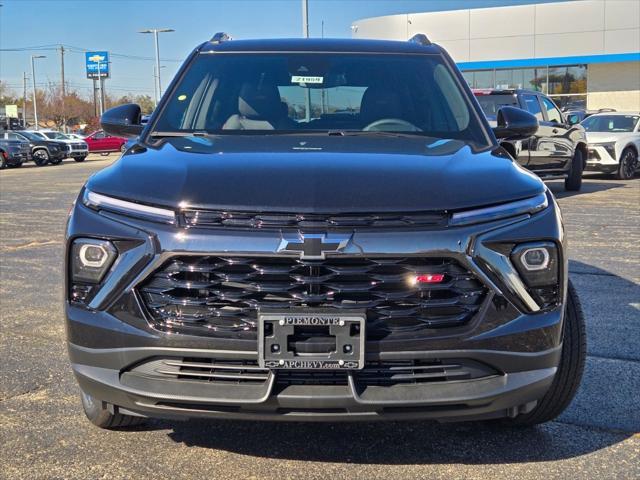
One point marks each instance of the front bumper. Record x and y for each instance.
(99, 373)
(77, 153)
(520, 345)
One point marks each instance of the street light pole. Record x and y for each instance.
(305, 34)
(33, 75)
(155, 32)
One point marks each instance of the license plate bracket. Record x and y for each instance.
(311, 339)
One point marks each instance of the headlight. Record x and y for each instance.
(98, 201)
(538, 266)
(610, 147)
(512, 209)
(90, 260)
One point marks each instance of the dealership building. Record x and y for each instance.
(582, 53)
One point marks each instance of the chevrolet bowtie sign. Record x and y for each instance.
(97, 64)
(313, 246)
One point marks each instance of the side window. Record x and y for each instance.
(12, 136)
(533, 106)
(99, 136)
(553, 114)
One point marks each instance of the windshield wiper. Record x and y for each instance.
(178, 134)
(381, 133)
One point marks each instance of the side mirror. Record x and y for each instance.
(573, 119)
(122, 121)
(515, 123)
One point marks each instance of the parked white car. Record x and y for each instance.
(76, 149)
(75, 136)
(614, 142)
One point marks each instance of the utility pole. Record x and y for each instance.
(63, 90)
(24, 99)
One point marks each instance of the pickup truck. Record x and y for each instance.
(557, 150)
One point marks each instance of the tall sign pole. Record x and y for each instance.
(101, 98)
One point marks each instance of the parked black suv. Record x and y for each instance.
(13, 153)
(42, 151)
(557, 150)
(320, 230)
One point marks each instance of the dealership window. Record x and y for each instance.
(480, 78)
(567, 83)
(567, 79)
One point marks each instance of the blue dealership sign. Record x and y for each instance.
(97, 62)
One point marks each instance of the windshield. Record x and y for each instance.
(294, 92)
(31, 136)
(611, 123)
(490, 104)
(56, 136)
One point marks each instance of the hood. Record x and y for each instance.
(603, 137)
(316, 174)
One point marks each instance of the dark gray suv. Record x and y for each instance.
(320, 230)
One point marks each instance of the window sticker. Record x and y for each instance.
(306, 79)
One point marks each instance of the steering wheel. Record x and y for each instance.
(391, 125)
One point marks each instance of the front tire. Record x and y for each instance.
(41, 157)
(123, 148)
(628, 164)
(573, 183)
(567, 379)
(101, 417)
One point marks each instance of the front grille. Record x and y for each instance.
(208, 218)
(387, 373)
(220, 296)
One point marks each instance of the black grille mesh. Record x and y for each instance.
(379, 373)
(220, 296)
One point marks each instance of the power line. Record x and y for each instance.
(74, 49)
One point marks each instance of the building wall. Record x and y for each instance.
(586, 27)
(614, 85)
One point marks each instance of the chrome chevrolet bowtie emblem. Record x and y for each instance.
(313, 246)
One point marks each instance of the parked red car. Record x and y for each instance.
(102, 142)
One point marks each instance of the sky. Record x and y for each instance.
(38, 27)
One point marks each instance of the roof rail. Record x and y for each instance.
(421, 39)
(220, 37)
(601, 110)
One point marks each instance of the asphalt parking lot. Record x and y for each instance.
(43, 433)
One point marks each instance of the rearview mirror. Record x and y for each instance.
(122, 121)
(515, 123)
